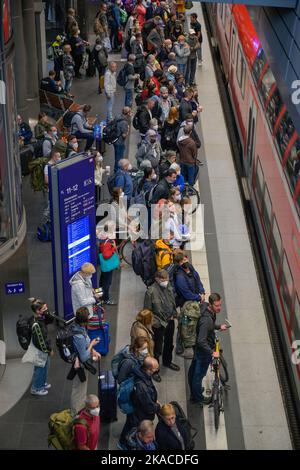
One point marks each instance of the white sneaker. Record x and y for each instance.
(40, 393)
(47, 386)
(200, 63)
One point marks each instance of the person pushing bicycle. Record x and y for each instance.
(204, 350)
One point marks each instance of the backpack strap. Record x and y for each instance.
(37, 329)
(84, 423)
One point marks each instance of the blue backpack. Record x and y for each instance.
(125, 395)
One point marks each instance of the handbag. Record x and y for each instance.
(107, 44)
(109, 264)
(35, 356)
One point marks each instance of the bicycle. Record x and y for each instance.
(126, 248)
(221, 377)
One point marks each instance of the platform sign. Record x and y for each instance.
(72, 202)
(13, 288)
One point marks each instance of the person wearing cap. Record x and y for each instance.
(197, 28)
(82, 291)
(182, 51)
(192, 60)
(176, 31)
(149, 149)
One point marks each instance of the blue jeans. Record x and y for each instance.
(196, 374)
(119, 154)
(88, 136)
(128, 97)
(182, 68)
(68, 84)
(39, 377)
(110, 104)
(189, 173)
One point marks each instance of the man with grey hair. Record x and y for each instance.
(149, 149)
(142, 437)
(110, 86)
(123, 179)
(87, 425)
(131, 77)
(165, 103)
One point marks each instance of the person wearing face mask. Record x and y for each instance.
(170, 130)
(81, 128)
(166, 103)
(40, 320)
(182, 51)
(123, 179)
(72, 147)
(142, 437)
(82, 291)
(142, 327)
(54, 158)
(188, 284)
(159, 298)
(188, 156)
(133, 356)
(179, 183)
(50, 139)
(144, 399)
(149, 149)
(123, 122)
(170, 434)
(190, 122)
(87, 427)
(164, 250)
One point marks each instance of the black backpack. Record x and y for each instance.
(122, 76)
(136, 119)
(68, 117)
(24, 331)
(143, 261)
(44, 232)
(65, 345)
(189, 430)
(127, 45)
(110, 132)
(111, 183)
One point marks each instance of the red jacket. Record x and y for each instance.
(108, 248)
(90, 436)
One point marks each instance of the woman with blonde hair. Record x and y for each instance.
(169, 432)
(170, 131)
(142, 327)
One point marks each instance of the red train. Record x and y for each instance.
(270, 149)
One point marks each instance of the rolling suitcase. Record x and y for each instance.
(107, 395)
(103, 333)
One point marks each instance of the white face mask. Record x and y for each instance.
(144, 353)
(89, 276)
(130, 167)
(122, 195)
(75, 146)
(155, 128)
(178, 198)
(95, 411)
(164, 283)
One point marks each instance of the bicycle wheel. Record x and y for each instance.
(126, 250)
(224, 376)
(216, 403)
(193, 194)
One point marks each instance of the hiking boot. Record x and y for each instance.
(39, 393)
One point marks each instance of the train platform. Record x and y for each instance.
(254, 415)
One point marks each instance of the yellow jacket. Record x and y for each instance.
(164, 254)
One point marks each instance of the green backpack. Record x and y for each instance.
(61, 427)
(189, 316)
(36, 169)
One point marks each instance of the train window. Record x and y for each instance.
(276, 244)
(266, 84)
(259, 186)
(284, 133)
(273, 109)
(292, 167)
(259, 64)
(241, 70)
(286, 286)
(267, 211)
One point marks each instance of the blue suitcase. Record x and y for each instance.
(103, 333)
(107, 395)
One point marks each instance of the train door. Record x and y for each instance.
(251, 132)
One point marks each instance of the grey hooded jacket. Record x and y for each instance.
(82, 293)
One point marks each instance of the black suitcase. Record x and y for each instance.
(26, 156)
(107, 395)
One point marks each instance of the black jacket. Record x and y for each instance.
(206, 332)
(144, 397)
(166, 439)
(162, 191)
(40, 334)
(144, 120)
(184, 109)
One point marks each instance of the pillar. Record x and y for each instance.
(20, 58)
(31, 56)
